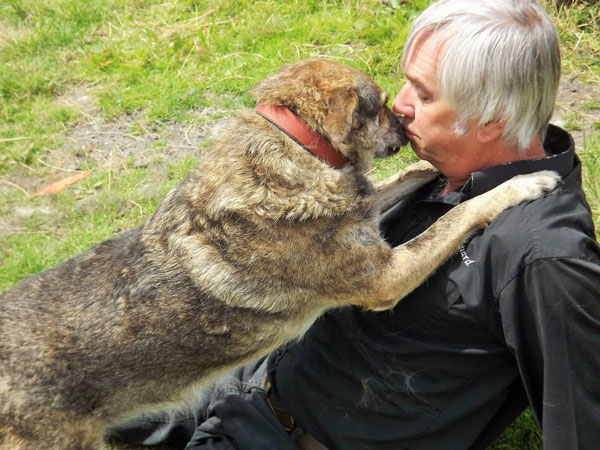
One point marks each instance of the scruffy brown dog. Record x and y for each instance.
(241, 257)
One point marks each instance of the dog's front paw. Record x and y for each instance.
(531, 186)
(517, 190)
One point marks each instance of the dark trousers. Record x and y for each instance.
(233, 413)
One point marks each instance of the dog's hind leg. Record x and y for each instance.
(11, 441)
(404, 183)
(56, 434)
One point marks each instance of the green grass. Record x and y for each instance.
(523, 434)
(154, 64)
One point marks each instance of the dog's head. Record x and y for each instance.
(339, 102)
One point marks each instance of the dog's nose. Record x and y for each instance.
(404, 138)
(400, 131)
(398, 127)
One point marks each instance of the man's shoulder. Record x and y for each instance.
(559, 225)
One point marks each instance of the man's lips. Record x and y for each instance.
(409, 134)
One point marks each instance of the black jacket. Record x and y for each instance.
(517, 306)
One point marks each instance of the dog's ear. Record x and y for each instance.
(340, 113)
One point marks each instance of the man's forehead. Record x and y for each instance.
(420, 64)
(427, 44)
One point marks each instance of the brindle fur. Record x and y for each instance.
(241, 257)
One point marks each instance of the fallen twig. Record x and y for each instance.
(10, 183)
(61, 185)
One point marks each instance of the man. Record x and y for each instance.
(513, 318)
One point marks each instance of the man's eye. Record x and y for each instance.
(424, 97)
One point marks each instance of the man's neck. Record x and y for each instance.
(500, 156)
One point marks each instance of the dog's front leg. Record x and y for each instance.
(414, 261)
(403, 183)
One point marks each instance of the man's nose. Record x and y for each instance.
(402, 104)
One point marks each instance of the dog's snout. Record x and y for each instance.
(403, 137)
(397, 127)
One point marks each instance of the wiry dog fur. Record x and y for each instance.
(239, 258)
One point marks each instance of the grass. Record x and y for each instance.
(152, 66)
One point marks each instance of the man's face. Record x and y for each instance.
(429, 121)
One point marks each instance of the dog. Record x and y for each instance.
(275, 225)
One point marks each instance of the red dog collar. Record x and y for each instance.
(294, 127)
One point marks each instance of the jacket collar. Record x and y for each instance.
(560, 151)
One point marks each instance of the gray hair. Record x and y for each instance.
(500, 61)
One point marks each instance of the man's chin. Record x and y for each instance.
(423, 155)
(417, 149)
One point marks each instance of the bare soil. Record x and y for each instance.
(94, 141)
(577, 98)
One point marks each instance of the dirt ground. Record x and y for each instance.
(578, 99)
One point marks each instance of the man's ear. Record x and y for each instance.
(340, 113)
(490, 131)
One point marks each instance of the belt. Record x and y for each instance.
(305, 441)
(286, 419)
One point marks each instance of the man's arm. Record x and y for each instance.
(551, 321)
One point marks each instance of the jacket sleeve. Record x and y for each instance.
(551, 321)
